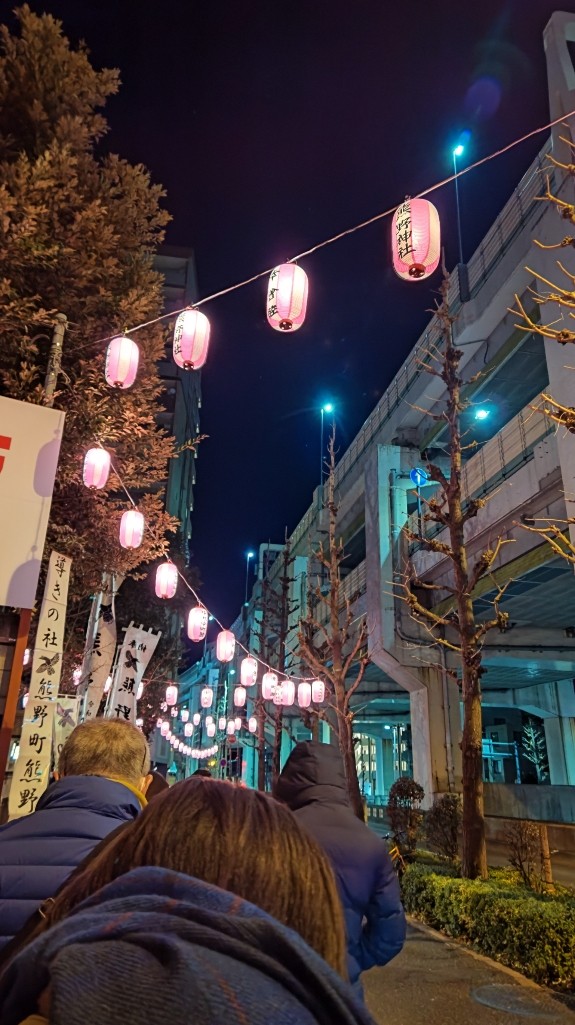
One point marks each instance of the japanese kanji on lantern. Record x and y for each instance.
(287, 297)
(191, 340)
(415, 239)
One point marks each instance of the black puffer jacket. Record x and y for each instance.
(313, 785)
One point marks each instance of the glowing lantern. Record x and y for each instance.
(139, 723)
(173, 712)
(184, 715)
(166, 580)
(248, 671)
(287, 297)
(25, 699)
(96, 468)
(165, 728)
(318, 691)
(174, 741)
(240, 697)
(197, 623)
(188, 729)
(304, 695)
(238, 723)
(252, 724)
(159, 723)
(231, 728)
(209, 720)
(277, 694)
(180, 746)
(225, 646)
(122, 356)
(287, 693)
(206, 697)
(171, 694)
(196, 718)
(211, 729)
(191, 340)
(131, 529)
(222, 722)
(140, 690)
(269, 685)
(415, 239)
(76, 676)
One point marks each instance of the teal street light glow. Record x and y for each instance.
(481, 413)
(249, 555)
(328, 407)
(458, 151)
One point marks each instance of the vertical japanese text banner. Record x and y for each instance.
(138, 647)
(98, 657)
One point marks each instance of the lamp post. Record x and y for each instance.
(249, 555)
(457, 152)
(328, 408)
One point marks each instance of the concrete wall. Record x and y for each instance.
(540, 803)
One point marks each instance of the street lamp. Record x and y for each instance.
(249, 555)
(327, 408)
(458, 152)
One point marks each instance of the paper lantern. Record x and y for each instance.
(252, 724)
(139, 723)
(222, 722)
(159, 723)
(240, 697)
(287, 297)
(174, 741)
(181, 746)
(225, 646)
(191, 340)
(165, 728)
(304, 695)
(173, 712)
(196, 718)
(96, 468)
(131, 529)
(238, 723)
(269, 685)
(188, 729)
(231, 728)
(197, 623)
(184, 715)
(166, 580)
(287, 693)
(318, 691)
(248, 671)
(171, 694)
(211, 729)
(209, 720)
(122, 356)
(277, 695)
(206, 697)
(415, 239)
(140, 690)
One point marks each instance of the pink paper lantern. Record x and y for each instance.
(173, 712)
(211, 729)
(231, 728)
(415, 239)
(159, 723)
(166, 580)
(277, 695)
(131, 529)
(209, 719)
(222, 722)
(248, 671)
(196, 718)
(252, 724)
(122, 357)
(96, 468)
(188, 729)
(225, 646)
(181, 746)
(165, 728)
(318, 691)
(240, 697)
(206, 697)
(269, 685)
(287, 693)
(184, 715)
(191, 339)
(197, 623)
(238, 723)
(171, 694)
(287, 297)
(304, 695)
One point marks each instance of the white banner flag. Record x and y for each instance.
(138, 647)
(47, 658)
(32, 769)
(65, 720)
(99, 657)
(30, 437)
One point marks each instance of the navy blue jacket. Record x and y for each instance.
(38, 851)
(313, 785)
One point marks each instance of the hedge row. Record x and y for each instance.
(534, 935)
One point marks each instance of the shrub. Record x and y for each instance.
(442, 824)
(404, 813)
(532, 934)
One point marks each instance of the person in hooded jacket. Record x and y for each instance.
(313, 785)
(100, 783)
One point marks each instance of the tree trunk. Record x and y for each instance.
(348, 754)
(261, 744)
(277, 748)
(474, 857)
(546, 867)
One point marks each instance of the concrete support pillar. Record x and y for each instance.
(379, 771)
(560, 739)
(435, 735)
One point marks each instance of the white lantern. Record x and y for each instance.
(231, 728)
(318, 691)
(196, 718)
(173, 712)
(166, 580)
(122, 357)
(188, 729)
(191, 340)
(240, 697)
(96, 468)
(238, 723)
(184, 715)
(159, 723)
(277, 695)
(131, 529)
(139, 723)
(304, 695)
(206, 697)
(269, 685)
(288, 693)
(248, 671)
(287, 297)
(252, 724)
(209, 720)
(211, 729)
(140, 690)
(165, 728)
(171, 694)
(180, 746)
(197, 623)
(225, 646)
(222, 722)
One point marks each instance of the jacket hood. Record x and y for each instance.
(94, 794)
(313, 772)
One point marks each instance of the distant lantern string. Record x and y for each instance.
(335, 238)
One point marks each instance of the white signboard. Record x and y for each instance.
(30, 438)
(47, 657)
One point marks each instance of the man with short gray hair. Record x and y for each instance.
(102, 777)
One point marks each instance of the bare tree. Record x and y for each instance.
(535, 749)
(336, 650)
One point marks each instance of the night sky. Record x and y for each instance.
(274, 126)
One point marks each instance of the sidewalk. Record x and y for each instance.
(435, 981)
